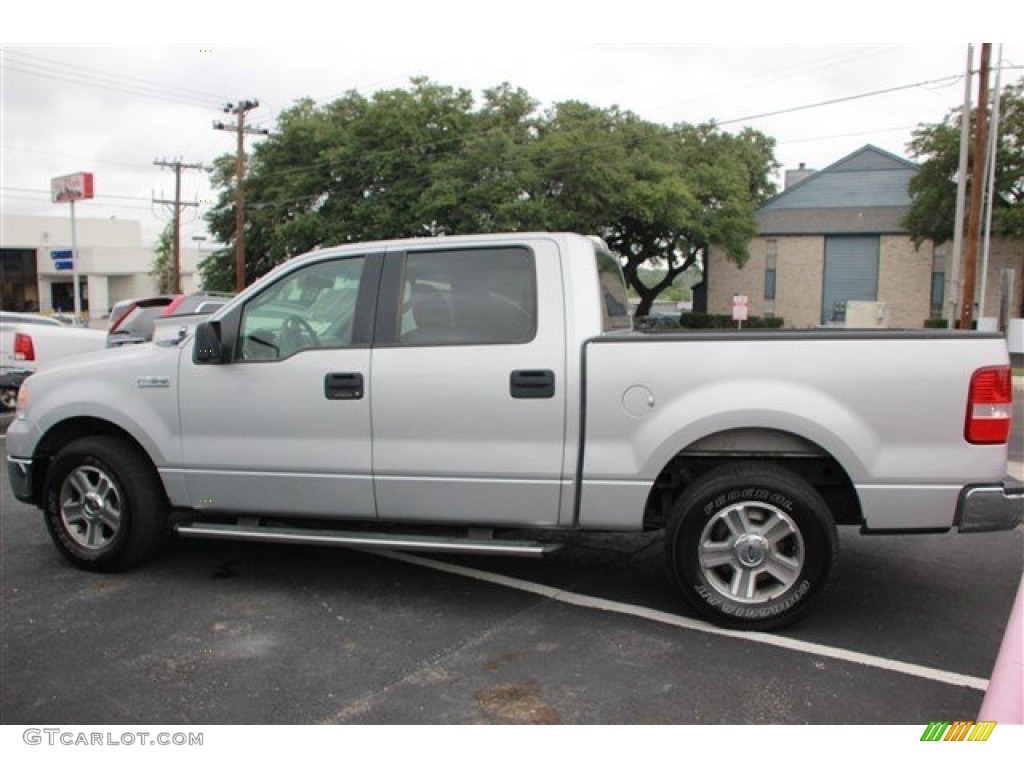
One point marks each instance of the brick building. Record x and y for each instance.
(834, 236)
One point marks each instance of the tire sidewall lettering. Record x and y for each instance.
(762, 495)
(742, 610)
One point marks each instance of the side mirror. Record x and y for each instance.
(208, 349)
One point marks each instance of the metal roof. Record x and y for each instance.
(870, 178)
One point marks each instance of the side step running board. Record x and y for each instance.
(361, 540)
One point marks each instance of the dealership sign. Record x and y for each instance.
(67, 189)
(62, 259)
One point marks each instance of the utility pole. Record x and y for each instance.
(240, 110)
(977, 176)
(961, 194)
(990, 180)
(177, 204)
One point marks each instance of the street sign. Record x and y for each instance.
(75, 186)
(740, 308)
(62, 260)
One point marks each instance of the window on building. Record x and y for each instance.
(19, 281)
(770, 272)
(938, 295)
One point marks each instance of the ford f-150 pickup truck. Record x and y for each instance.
(446, 394)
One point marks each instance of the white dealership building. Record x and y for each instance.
(113, 264)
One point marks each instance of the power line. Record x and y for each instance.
(129, 80)
(744, 82)
(111, 87)
(809, 139)
(94, 161)
(46, 193)
(104, 82)
(950, 80)
(26, 198)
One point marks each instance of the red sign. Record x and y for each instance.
(76, 186)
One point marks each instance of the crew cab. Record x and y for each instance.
(448, 394)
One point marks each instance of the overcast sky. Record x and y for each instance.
(113, 109)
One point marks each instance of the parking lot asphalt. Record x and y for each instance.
(230, 633)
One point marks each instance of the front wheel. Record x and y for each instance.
(104, 507)
(750, 546)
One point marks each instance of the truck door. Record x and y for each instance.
(283, 425)
(468, 392)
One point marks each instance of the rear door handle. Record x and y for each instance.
(343, 386)
(532, 384)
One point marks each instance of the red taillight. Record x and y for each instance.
(173, 306)
(121, 319)
(989, 406)
(23, 347)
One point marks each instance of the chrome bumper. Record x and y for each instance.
(991, 507)
(20, 473)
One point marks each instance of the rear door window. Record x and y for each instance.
(468, 296)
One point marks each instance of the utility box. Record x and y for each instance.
(867, 314)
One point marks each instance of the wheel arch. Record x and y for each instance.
(65, 432)
(797, 453)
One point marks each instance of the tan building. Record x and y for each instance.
(835, 236)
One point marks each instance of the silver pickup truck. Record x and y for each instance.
(446, 394)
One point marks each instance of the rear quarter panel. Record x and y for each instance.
(889, 408)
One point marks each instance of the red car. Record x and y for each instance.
(132, 320)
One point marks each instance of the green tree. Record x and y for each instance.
(659, 196)
(933, 189)
(427, 161)
(162, 267)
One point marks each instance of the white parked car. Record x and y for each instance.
(29, 341)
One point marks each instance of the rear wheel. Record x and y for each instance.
(104, 507)
(750, 546)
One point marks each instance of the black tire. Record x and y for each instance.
(104, 506)
(8, 399)
(750, 546)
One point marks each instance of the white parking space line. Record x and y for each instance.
(800, 646)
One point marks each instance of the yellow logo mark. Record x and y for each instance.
(961, 730)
